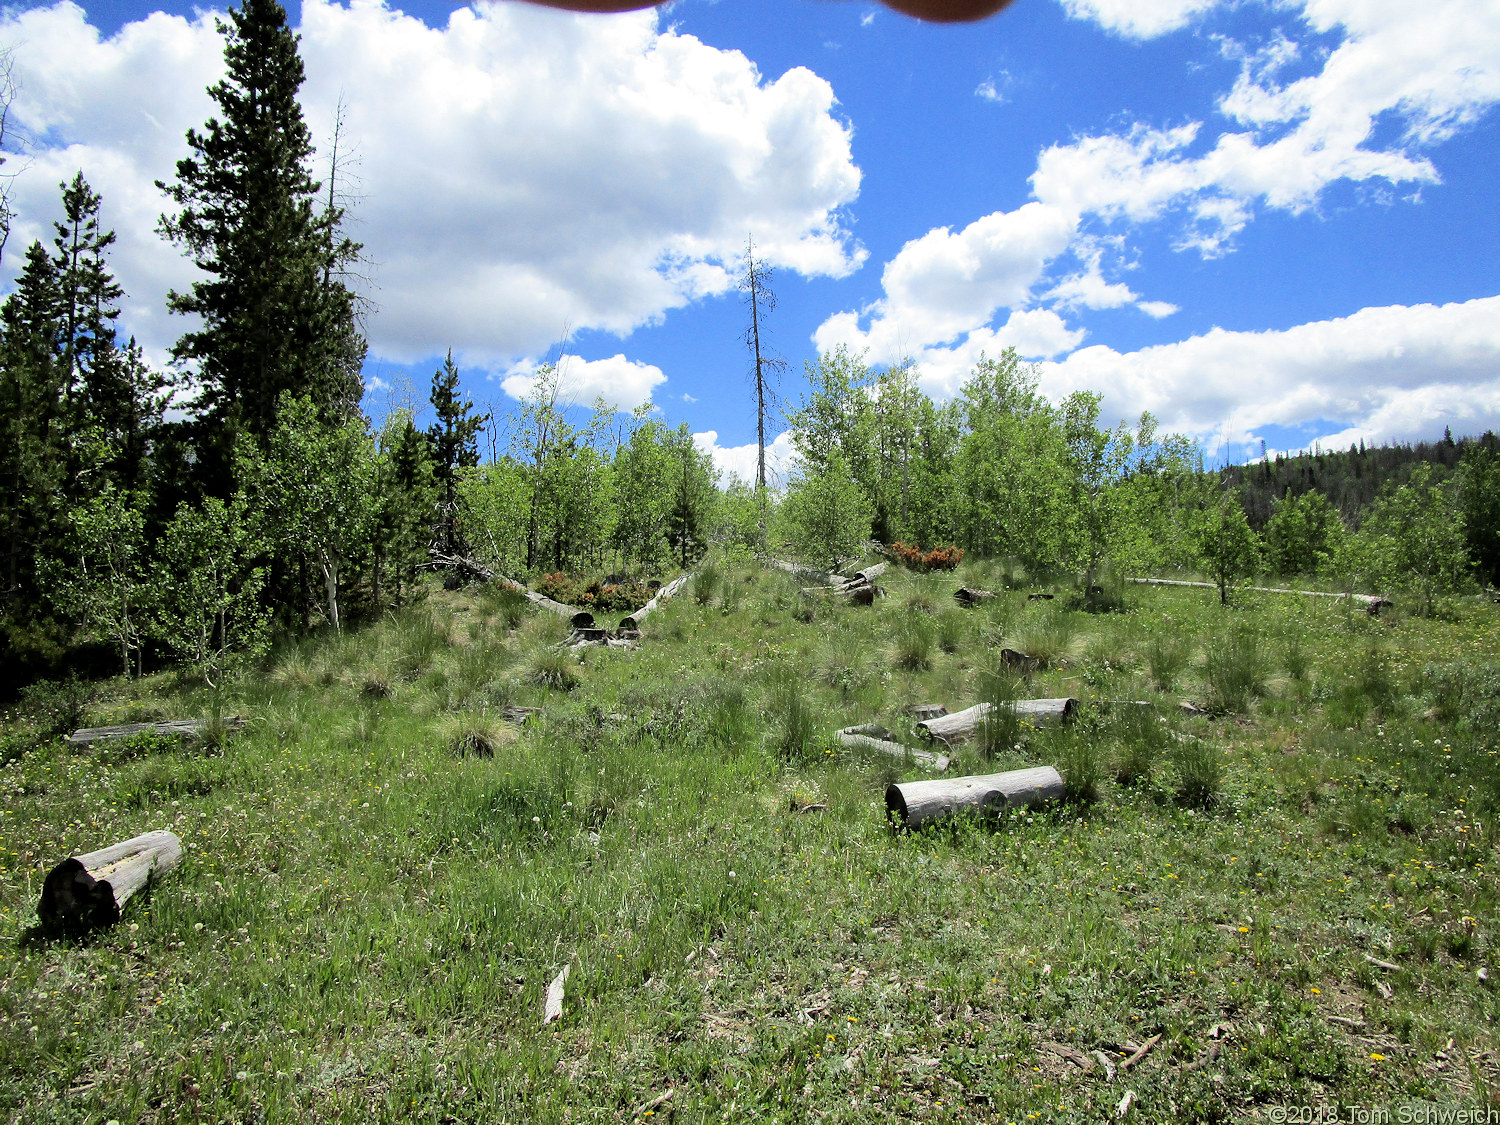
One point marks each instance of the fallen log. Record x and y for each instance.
(963, 725)
(473, 568)
(865, 576)
(869, 736)
(92, 890)
(1373, 603)
(865, 595)
(633, 622)
(915, 803)
(1040, 597)
(810, 574)
(928, 710)
(181, 728)
(583, 619)
(966, 595)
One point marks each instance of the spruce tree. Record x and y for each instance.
(454, 444)
(274, 316)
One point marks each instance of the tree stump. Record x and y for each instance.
(91, 890)
(915, 803)
(967, 596)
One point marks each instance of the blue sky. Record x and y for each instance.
(1261, 221)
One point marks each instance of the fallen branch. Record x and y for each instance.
(172, 727)
(1140, 1052)
(93, 889)
(966, 595)
(916, 803)
(655, 1103)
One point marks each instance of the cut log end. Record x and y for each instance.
(916, 803)
(86, 891)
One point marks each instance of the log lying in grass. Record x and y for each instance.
(1040, 597)
(464, 565)
(927, 710)
(807, 573)
(870, 736)
(966, 595)
(915, 803)
(181, 728)
(91, 890)
(866, 576)
(964, 725)
(1373, 603)
(633, 622)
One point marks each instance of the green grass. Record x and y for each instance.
(370, 908)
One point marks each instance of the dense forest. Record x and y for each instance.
(193, 514)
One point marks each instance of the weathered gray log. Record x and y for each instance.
(966, 595)
(91, 890)
(1373, 603)
(915, 803)
(808, 573)
(928, 710)
(867, 575)
(857, 741)
(963, 725)
(1040, 597)
(633, 622)
(178, 727)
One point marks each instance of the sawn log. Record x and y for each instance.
(915, 803)
(963, 725)
(91, 890)
(1373, 603)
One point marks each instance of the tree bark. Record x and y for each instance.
(808, 573)
(92, 890)
(966, 596)
(916, 803)
(961, 726)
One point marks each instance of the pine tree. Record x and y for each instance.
(109, 391)
(755, 283)
(274, 316)
(454, 443)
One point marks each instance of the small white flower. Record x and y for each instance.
(731, 874)
(536, 820)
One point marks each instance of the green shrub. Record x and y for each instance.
(511, 606)
(795, 717)
(1167, 655)
(1235, 671)
(1001, 729)
(706, 582)
(1141, 737)
(1198, 773)
(1080, 768)
(1465, 693)
(915, 636)
(1295, 657)
(57, 706)
(555, 668)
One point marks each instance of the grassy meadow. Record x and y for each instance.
(383, 874)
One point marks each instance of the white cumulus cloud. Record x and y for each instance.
(1137, 19)
(516, 172)
(1390, 373)
(622, 383)
(741, 460)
